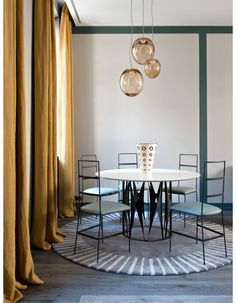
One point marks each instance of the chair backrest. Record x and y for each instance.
(188, 161)
(84, 166)
(89, 157)
(88, 170)
(214, 180)
(127, 160)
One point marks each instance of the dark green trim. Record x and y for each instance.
(156, 29)
(202, 106)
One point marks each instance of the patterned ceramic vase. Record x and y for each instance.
(146, 153)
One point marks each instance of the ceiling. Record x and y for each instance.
(165, 12)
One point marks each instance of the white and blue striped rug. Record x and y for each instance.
(145, 258)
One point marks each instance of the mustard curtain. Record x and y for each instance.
(18, 263)
(65, 142)
(44, 224)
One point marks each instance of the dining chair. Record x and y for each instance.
(137, 189)
(213, 187)
(186, 162)
(89, 172)
(85, 157)
(127, 160)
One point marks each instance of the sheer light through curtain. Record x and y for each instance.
(65, 117)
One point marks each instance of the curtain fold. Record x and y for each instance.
(44, 224)
(66, 118)
(18, 263)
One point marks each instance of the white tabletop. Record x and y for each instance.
(156, 175)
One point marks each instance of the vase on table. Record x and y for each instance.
(146, 153)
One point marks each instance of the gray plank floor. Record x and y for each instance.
(67, 282)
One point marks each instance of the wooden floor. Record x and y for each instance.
(67, 282)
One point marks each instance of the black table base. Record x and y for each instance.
(135, 198)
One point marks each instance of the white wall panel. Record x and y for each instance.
(219, 98)
(166, 112)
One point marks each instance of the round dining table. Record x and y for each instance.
(134, 196)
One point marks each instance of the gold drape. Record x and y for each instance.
(18, 263)
(44, 224)
(66, 118)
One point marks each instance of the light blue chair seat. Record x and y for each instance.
(194, 208)
(183, 190)
(105, 191)
(107, 207)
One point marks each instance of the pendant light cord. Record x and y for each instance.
(143, 18)
(131, 33)
(152, 18)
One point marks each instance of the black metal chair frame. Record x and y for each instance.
(182, 165)
(82, 176)
(123, 164)
(200, 221)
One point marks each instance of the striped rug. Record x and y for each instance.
(146, 257)
(155, 299)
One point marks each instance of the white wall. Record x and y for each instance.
(219, 98)
(166, 112)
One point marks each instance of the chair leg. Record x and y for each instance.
(223, 225)
(76, 236)
(99, 236)
(197, 229)
(129, 227)
(80, 217)
(123, 221)
(102, 227)
(170, 232)
(184, 214)
(203, 246)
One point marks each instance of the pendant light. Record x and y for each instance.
(152, 66)
(143, 48)
(131, 80)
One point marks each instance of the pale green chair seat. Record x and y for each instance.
(104, 191)
(107, 207)
(194, 208)
(183, 190)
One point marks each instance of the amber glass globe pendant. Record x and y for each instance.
(131, 82)
(152, 68)
(142, 50)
